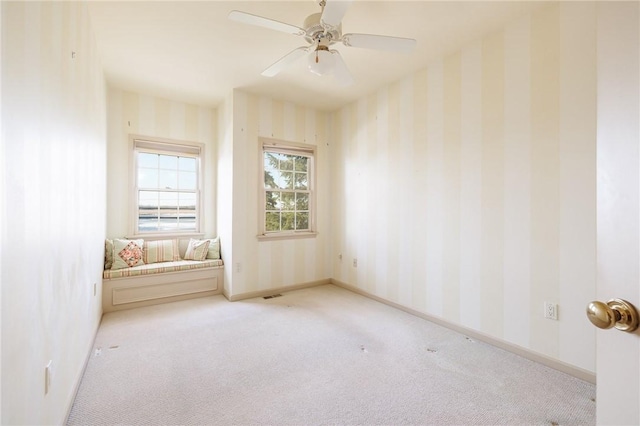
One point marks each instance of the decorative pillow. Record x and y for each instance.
(127, 253)
(160, 251)
(108, 254)
(197, 250)
(214, 248)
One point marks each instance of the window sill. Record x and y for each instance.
(286, 236)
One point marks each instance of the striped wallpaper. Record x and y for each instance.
(259, 265)
(464, 191)
(53, 178)
(230, 134)
(133, 113)
(467, 190)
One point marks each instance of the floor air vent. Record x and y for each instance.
(272, 296)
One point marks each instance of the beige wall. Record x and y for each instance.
(224, 182)
(467, 190)
(255, 265)
(53, 186)
(133, 113)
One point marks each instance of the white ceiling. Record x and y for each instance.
(189, 51)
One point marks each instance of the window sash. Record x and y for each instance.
(182, 214)
(164, 216)
(306, 215)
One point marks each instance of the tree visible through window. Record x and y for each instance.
(287, 190)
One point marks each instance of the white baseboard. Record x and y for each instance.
(81, 375)
(578, 372)
(268, 292)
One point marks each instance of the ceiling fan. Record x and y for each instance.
(321, 31)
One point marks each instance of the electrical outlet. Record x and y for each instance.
(551, 310)
(355, 263)
(238, 267)
(48, 372)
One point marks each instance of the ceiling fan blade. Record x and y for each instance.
(247, 18)
(286, 60)
(333, 13)
(379, 42)
(340, 71)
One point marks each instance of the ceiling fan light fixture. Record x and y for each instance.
(321, 31)
(321, 61)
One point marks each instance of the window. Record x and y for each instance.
(167, 186)
(287, 189)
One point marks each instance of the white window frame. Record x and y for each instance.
(289, 148)
(173, 147)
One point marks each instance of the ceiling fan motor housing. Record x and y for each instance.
(316, 33)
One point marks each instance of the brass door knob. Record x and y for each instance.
(616, 313)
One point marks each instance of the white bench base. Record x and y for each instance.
(144, 290)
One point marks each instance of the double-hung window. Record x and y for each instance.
(167, 186)
(288, 189)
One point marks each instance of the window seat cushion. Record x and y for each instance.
(158, 268)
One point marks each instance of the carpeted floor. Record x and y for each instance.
(322, 355)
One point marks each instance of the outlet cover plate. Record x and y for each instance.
(550, 310)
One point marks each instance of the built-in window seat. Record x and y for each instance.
(140, 273)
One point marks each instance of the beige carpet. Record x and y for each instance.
(322, 355)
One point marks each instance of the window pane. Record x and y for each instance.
(269, 180)
(168, 224)
(187, 210)
(168, 179)
(275, 180)
(270, 161)
(148, 224)
(168, 162)
(187, 180)
(147, 160)
(301, 181)
(187, 164)
(287, 180)
(148, 214)
(147, 178)
(302, 221)
(286, 162)
(168, 196)
(288, 201)
(168, 210)
(279, 180)
(187, 213)
(272, 221)
(272, 200)
(187, 200)
(302, 201)
(148, 199)
(168, 220)
(288, 221)
(187, 223)
(301, 164)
